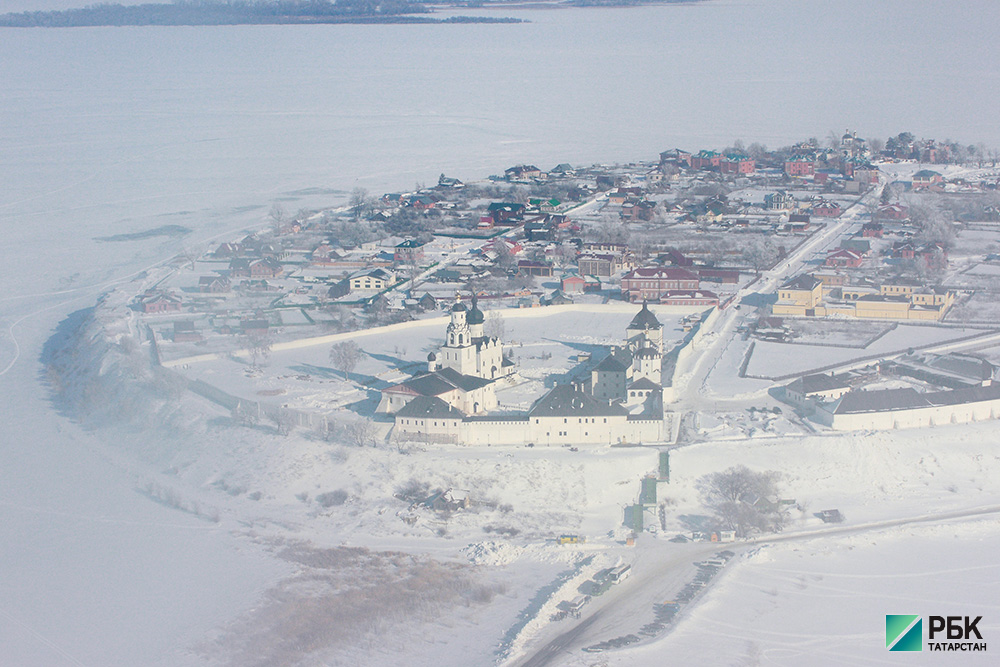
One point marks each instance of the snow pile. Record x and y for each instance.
(492, 553)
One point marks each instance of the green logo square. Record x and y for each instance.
(904, 632)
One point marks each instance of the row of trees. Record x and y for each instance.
(212, 12)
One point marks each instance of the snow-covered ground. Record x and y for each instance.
(818, 589)
(136, 546)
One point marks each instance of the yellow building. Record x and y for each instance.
(799, 296)
(803, 296)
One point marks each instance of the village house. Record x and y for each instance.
(268, 267)
(572, 284)
(892, 212)
(255, 327)
(799, 167)
(861, 246)
(213, 284)
(872, 230)
(505, 213)
(523, 172)
(410, 251)
(637, 209)
(778, 201)
(160, 302)
(843, 258)
(603, 265)
(371, 281)
(674, 257)
(228, 250)
(826, 209)
(736, 163)
(706, 159)
(533, 268)
(324, 254)
(926, 178)
(675, 158)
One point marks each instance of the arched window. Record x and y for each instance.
(459, 339)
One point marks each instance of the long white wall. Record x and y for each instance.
(508, 314)
(916, 417)
(547, 431)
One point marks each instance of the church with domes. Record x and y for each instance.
(467, 349)
(618, 401)
(462, 373)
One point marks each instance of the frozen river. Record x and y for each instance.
(112, 130)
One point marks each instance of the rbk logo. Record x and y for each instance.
(904, 632)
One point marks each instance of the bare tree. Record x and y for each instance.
(359, 202)
(345, 356)
(833, 139)
(757, 151)
(258, 346)
(760, 254)
(190, 255)
(495, 325)
(246, 414)
(284, 421)
(362, 433)
(277, 215)
(744, 500)
(505, 257)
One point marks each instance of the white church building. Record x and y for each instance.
(619, 401)
(462, 374)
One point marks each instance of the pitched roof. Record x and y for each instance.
(428, 406)
(429, 384)
(644, 383)
(882, 400)
(610, 365)
(888, 400)
(567, 401)
(645, 319)
(809, 384)
(463, 382)
(802, 282)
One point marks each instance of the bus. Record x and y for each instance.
(620, 573)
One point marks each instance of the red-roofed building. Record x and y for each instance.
(892, 212)
(827, 209)
(160, 302)
(872, 230)
(843, 258)
(652, 282)
(572, 285)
